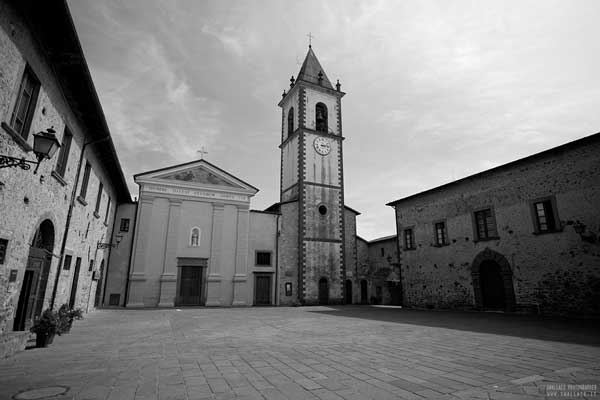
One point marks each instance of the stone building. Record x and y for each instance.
(196, 241)
(521, 236)
(52, 221)
(378, 274)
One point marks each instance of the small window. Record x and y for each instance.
(67, 263)
(195, 237)
(382, 252)
(124, 225)
(91, 267)
(290, 122)
(321, 117)
(86, 179)
(99, 199)
(485, 224)
(440, 234)
(322, 209)
(3, 246)
(63, 155)
(409, 239)
(546, 218)
(107, 210)
(263, 258)
(22, 114)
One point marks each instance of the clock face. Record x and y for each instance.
(322, 146)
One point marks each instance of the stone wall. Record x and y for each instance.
(557, 272)
(27, 199)
(288, 253)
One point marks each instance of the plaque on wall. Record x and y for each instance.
(13, 275)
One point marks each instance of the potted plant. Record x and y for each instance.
(46, 327)
(66, 316)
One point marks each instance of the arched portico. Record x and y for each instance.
(493, 281)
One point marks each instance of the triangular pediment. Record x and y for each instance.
(198, 173)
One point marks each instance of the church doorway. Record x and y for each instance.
(190, 286)
(262, 289)
(364, 296)
(323, 291)
(492, 287)
(348, 291)
(493, 282)
(35, 279)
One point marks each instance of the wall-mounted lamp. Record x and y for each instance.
(45, 145)
(101, 246)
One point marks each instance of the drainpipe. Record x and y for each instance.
(69, 215)
(133, 242)
(277, 260)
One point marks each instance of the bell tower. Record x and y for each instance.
(312, 189)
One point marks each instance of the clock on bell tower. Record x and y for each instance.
(312, 188)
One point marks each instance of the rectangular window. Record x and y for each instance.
(382, 252)
(124, 225)
(107, 210)
(91, 267)
(440, 234)
(63, 155)
(22, 114)
(86, 179)
(263, 258)
(485, 224)
(67, 263)
(545, 216)
(99, 197)
(409, 239)
(3, 246)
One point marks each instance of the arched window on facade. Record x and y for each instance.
(290, 121)
(195, 237)
(321, 117)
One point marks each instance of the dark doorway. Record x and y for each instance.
(35, 279)
(395, 293)
(262, 290)
(492, 286)
(323, 291)
(190, 286)
(363, 292)
(348, 291)
(73, 298)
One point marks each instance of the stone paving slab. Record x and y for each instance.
(353, 352)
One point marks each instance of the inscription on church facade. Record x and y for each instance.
(194, 193)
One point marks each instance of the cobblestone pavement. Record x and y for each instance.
(324, 353)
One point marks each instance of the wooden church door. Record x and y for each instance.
(190, 286)
(262, 290)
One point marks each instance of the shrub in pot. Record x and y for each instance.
(46, 327)
(66, 316)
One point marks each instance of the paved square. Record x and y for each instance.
(351, 352)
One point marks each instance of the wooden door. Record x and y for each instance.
(73, 297)
(190, 286)
(21, 316)
(262, 290)
(364, 297)
(323, 291)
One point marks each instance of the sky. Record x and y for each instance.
(436, 90)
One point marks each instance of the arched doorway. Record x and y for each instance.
(493, 282)
(323, 291)
(348, 291)
(364, 295)
(35, 279)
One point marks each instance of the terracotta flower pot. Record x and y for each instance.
(43, 339)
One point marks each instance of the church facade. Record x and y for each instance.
(196, 242)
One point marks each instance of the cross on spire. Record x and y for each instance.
(310, 37)
(202, 152)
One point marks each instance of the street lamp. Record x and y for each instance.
(45, 145)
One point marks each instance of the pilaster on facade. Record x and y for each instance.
(213, 292)
(168, 279)
(240, 278)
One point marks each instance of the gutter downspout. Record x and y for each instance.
(130, 258)
(277, 233)
(69, 215)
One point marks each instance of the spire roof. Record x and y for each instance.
(309, 72)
